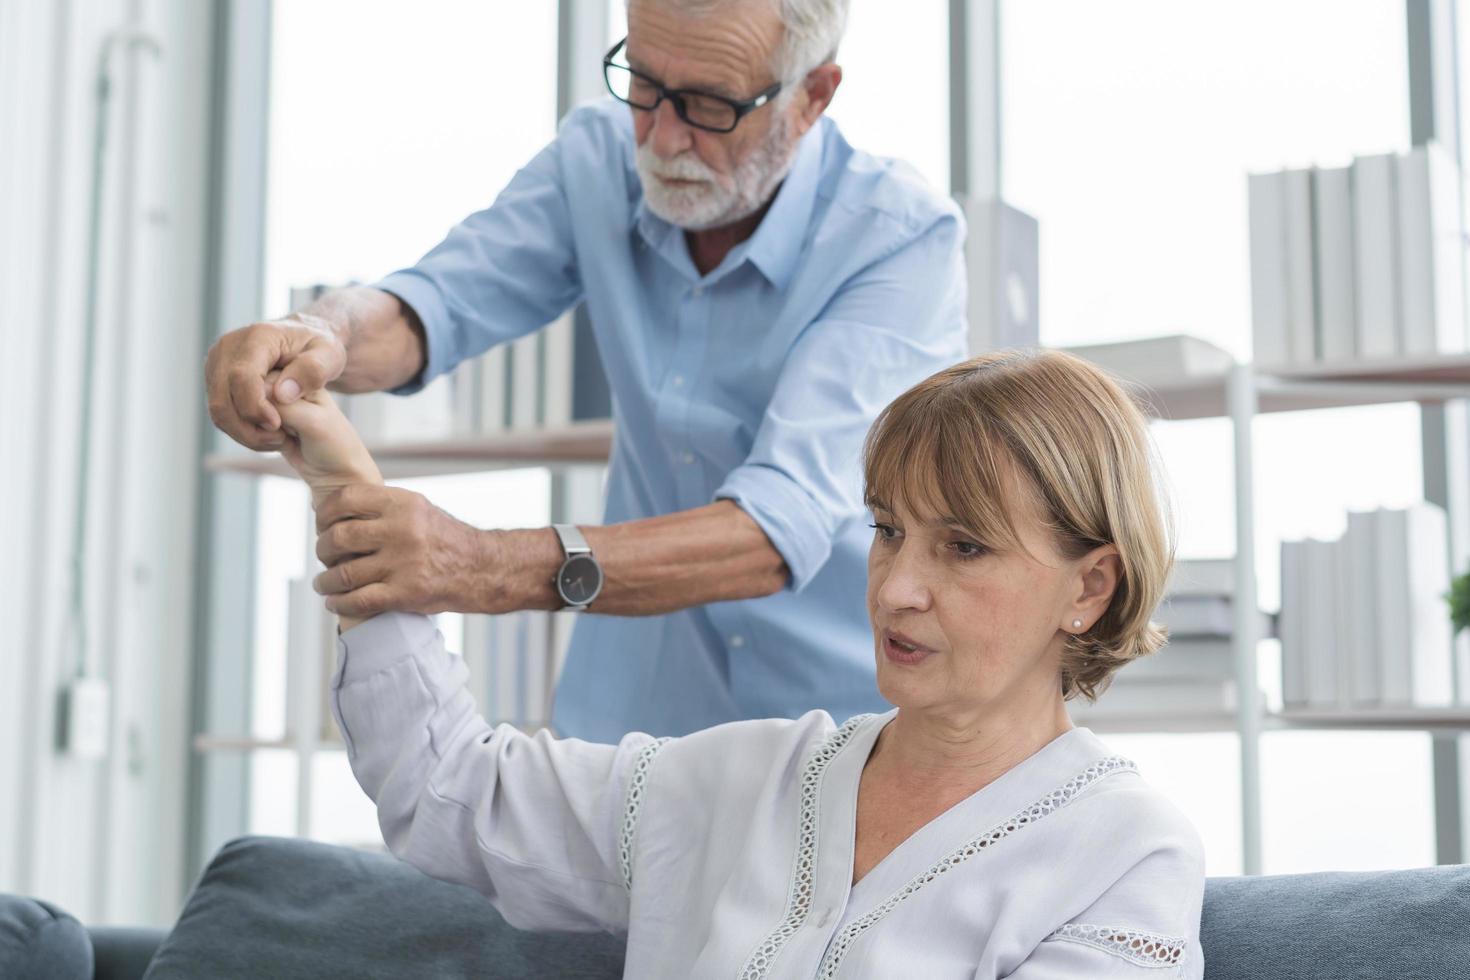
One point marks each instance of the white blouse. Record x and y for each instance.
(729, 852)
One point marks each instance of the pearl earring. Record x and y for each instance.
(1076, 624)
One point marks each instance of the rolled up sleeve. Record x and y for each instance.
(890, 326)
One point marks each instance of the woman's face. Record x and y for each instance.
(960, 624)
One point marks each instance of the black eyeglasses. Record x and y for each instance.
(702, 110)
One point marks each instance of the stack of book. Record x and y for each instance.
(543, 380)
(1358, 262)
(1194, 674)
(1363, 618)
(512, 660)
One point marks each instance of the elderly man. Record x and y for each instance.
(758, 289)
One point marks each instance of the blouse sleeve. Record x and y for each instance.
(541, 826)
(1145, 926)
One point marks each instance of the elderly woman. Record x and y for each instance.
(1018, 551)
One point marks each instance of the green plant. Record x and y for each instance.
(1459, 599)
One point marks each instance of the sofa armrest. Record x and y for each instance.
(1339, 924)
(123, 953)
(40, 940)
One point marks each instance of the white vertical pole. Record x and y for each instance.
(1241, 396)
(1434, 114)
(974, 99)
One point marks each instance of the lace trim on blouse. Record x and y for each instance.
(799, 900)
(1143, 948)
(1047, 805)
(634, 806)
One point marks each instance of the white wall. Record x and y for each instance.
(104, 838)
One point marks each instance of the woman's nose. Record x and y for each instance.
(905, 583)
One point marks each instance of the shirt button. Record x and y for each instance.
(688, 457)
(737, 640)
(697, 292)
(678, 381)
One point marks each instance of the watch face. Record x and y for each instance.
(580, 580)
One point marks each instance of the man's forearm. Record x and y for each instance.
(383, 336)
(657, 565)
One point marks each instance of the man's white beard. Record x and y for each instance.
(718, 199)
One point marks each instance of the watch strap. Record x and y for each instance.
(572, 541)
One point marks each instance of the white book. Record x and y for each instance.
(503, 680)
(540, 669)
(562, 625)
(1196, 615)
(1431, 300)
(311, 651)
(1268, 269)
(1191, 660)
(1375, 255)
(1332, 208)
(1301, 306)
(1415, 642)
(1191, 618)
(1359, 621)
(1202, 577)
(464, 386)
(366, 412)
(493, 390)
(475, 649)
(1156, 360)
(1290, 626)
(1320, 622)
(557, 374)
(1166, 698)
(525, 382)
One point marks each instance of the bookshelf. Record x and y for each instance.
(1174, 398)
(1222, 389)
(587, 442)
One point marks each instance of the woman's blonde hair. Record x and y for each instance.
(954, 442)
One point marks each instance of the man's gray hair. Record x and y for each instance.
(813, 29)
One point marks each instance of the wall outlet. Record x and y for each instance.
(88, 706)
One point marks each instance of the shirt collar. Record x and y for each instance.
(776, 245)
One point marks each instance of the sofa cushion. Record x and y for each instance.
(280, 908)
(40, 940)
(1347, 926)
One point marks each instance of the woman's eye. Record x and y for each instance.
(968, 549)
(885, 531)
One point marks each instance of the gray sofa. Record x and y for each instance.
(287, 909)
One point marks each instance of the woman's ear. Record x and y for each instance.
(1099, 572)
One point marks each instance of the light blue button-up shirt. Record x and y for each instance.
(755, 383)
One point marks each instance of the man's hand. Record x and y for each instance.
(303, 348)
(390, 549)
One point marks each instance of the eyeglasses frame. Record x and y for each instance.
(676, 95)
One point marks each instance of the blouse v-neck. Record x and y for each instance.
(937, 837)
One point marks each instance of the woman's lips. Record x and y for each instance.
(901, 650)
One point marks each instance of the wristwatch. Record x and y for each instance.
(580, 578)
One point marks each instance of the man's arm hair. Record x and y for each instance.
(384, 337)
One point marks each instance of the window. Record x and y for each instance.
(1128, 131)
(390, 122)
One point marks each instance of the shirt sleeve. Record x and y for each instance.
(1145, 926)
(500, 274)
(892, 325)
(536, 824)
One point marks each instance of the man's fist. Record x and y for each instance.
(302, 348)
